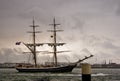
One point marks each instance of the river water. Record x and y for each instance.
(75, 75)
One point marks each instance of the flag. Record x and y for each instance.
(18, 43)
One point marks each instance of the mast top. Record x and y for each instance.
(54, 26)
(54, 23)
(33, 25)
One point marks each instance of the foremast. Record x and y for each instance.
(32, 47)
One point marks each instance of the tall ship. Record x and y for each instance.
(54, 66)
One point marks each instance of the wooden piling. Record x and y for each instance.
(86, 72)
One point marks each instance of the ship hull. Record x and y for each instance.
(62, 69)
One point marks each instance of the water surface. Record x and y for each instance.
(75, 75)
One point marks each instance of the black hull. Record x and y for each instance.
(62, 69)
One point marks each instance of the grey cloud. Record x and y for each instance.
(118, 10)
(16, 56)
(109, 45)
(101, 42)
(9, 55)
(86, 51)
(117, 53)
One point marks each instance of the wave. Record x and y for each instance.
(100, 74)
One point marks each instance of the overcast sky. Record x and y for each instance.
(90, 26)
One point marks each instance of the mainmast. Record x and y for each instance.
(55, 44)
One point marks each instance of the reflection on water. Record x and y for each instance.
(97, 75)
